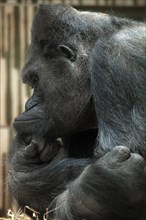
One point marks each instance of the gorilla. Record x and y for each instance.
(80, 144)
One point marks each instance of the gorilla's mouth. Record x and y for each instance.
(27, 120)
(27, 116)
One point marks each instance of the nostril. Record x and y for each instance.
(34, 79)
(30, 77)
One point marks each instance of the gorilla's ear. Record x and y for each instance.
(67, 52)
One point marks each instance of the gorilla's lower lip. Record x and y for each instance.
(24, 120)
(27, 117)
(26, 124)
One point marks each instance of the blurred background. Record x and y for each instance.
(15, 22)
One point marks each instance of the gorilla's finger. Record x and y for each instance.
(39, 143)
(31, 150)
(138, 161)
(49, 151)
(120, 154)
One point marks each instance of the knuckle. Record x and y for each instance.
(122, 149)
(121, 153)
(138, 159)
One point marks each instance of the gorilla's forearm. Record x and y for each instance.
(47, 180)
(33, 183)
(112, 188)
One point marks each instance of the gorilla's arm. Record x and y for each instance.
(89, 196)
(34, 183)
(119, 88)
(112, 188)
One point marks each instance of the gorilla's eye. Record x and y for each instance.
(68, 52)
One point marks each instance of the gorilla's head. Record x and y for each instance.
(57, 67)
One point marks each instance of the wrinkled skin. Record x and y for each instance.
(93, 99)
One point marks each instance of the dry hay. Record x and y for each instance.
(19, 215)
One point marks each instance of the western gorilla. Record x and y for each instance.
(87, 71)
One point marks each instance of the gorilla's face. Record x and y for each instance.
(57, 68)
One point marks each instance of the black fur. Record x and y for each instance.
(88, 71)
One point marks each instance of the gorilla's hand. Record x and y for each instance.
(113, 186)
(127, 168)
(37, 175)
(44, 150)
(36, 150)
